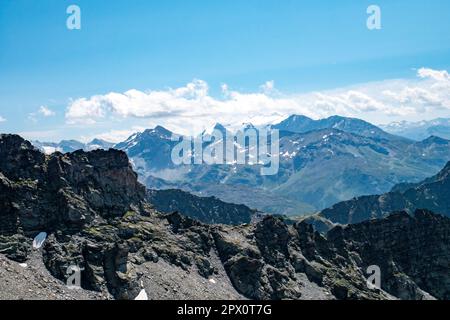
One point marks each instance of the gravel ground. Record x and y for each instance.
(161, 280)
(34, 282)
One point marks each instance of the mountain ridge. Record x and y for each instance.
(208, 210)
(65, 146)
(356, 156)
(356, 164)
(431, 193)
(97, 217)
(420, 130)
(302, 124)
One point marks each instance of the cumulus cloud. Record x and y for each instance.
(437, 75)
(426, 96)
(350, 102)
(46, 112)
(190, 105)
(2, 119)
(268, 87)
(224, 88)
(191, 108)
(43, 111)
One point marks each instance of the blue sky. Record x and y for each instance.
(303, 46)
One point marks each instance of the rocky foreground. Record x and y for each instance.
(98, 218)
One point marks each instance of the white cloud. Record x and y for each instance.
(268, 87)
(346, 103)
(428, 95)
(224, 88)
(43, 111)
(437, 75)
(423, 99)
(46, 112)
(190, 109)
(2, 119)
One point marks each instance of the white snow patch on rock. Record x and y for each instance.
(39, 240)
(142, 295)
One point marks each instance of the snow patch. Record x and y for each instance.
(50, 150)
(39, 240)
(142, 295)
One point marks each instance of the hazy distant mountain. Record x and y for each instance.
(64, 146)
(302, 124)
(318, 167)
(72, 145)
(150, 150)
(420, 130)
(250, 196)
(98, 144)
(328, 165)
(431, 194)
(322, 162)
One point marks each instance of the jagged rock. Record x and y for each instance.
(15, 247)
(205, 209)
(62, 191)
(97, 218)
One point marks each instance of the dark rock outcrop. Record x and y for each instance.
(205, 209)
(62, 192)
(98, 218)
(412, 253)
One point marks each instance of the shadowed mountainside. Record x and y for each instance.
(205, 209)
(432, 194)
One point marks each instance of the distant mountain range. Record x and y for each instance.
(322, 162)
(72, 145)
(420, 130)
(302, 124)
